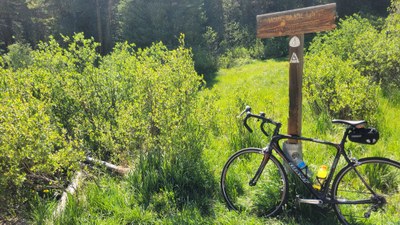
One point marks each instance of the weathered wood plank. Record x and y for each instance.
(298, 21)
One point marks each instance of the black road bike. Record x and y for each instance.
(364, 191)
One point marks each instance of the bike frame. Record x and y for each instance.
(274, 146)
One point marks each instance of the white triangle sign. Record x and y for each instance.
(294, 58)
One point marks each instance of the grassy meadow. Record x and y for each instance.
(108, 199)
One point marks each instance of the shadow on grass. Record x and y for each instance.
(309, 214)
(210, 80)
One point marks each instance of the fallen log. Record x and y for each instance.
(118, 169)
(78, 179)
(72, 187)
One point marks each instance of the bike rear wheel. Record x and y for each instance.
(379, 204)
(264, 198)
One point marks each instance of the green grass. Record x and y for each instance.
(263, 86)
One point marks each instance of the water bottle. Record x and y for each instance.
(321, 177)
(301, 165)
(304, 168)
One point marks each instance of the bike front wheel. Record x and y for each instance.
(246, 188)
(368, 192)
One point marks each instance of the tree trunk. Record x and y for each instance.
(107, 34)
(99, 26)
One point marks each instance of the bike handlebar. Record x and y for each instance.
(264, 120)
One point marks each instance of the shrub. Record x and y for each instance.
(372, 52)
(257, 50)
(376, 54)
(160, 125)
(390, 46)
(333, 85)
(34, 156)
(131, 105)
(206, 54)
(341, 40)
(18, 56)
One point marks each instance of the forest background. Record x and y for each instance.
(212, 27)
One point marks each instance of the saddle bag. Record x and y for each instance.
(364, 135)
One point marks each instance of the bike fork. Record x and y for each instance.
(264, 162)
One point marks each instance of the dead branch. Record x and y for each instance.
(77, 180)
(118, 169)
(72, 187)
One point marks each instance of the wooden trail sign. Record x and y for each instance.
(296, 23)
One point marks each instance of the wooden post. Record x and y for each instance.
(296, 23)
(296, 61)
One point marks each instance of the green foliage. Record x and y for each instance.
(235, 57)
(388, 57)
(355, 48)
(206, 54)
(333, 85)
(341, 40)
(18, 56)
(374, 53)
(276, 47)
(145, 22)
(131, 106)
(263, 85)
(34, 154)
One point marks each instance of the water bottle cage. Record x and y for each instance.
(321, 181)
(305, 171)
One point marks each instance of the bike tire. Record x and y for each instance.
(383, 176)
(267, 196)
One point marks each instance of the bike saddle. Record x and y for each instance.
(350, 122)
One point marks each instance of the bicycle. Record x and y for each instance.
(364, 191)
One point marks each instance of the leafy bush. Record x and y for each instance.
(34, 155)
(18, 56)
(389, 46)
(356, 48)
(160, 123)
(206, 54)
(372, 52)
(341, 40)
(333, 85)
(133, 105)
(206, 63)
